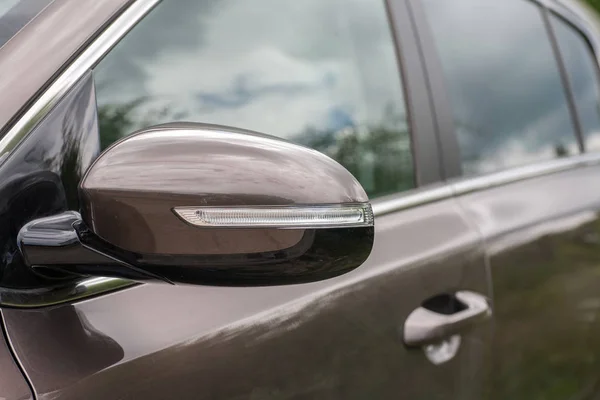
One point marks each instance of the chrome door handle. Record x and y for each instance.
(424, 326)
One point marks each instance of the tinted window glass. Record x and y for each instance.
(582, 71)
(6, 5)
(322, 73)
(507, 96)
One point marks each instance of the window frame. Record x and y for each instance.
(447, 138)
(425, 146)
(586, 36)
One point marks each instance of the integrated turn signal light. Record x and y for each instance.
(286, 217)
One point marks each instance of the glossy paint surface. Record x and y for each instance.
(221, 159)
(340, 338)
(131, 190)
(543, 238)
(13, 385)
(129, 194)
(15, 14)
(61, 246)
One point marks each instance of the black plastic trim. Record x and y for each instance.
(441, 111)
(63, 243)
(424, 140)
(564, 79)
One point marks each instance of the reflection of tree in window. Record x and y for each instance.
(319, 72)
(378, 155)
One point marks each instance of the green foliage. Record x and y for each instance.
(595, 4)
(115, 121)
(379, 155)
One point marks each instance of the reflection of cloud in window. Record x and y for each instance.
(507, 96)
(514, 153)
(339, 119)
(241, 94)
(272, 66)
(540, 140)
(322, 73)
(593, 141)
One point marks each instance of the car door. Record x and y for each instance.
(410, 323)
(521, 106)
(12, 382)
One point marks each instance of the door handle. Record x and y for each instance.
(425, 326)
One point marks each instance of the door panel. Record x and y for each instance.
(543, 244)
(13, 385)
(340, 338)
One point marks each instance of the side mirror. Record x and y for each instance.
(210, 205)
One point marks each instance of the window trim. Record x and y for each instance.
(27, 15)
(586, 36)
(564, 77)
(417, 95)
(391, 204)
(440, 103)
(563, 12)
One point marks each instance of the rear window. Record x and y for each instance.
(15, 14)
(509, 103)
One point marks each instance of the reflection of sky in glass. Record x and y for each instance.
(582, 71)
(6, 5)
(508, 100)
(312, 71)
(273, 66)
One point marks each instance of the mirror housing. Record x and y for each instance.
(212, 205)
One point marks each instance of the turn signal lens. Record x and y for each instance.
(342, 216)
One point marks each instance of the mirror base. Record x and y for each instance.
(64, 244)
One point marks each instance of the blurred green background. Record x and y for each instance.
(595, 4)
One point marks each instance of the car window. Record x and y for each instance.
(504, 85)
(322, 73)
(6, 5)
(582, 71)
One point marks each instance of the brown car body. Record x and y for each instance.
(526, 239)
